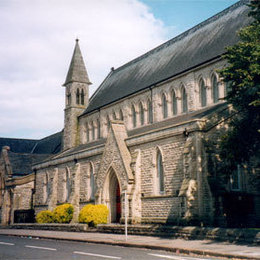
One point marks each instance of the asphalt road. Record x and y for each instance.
(12, 248)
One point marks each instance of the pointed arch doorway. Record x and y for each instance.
(112, 196)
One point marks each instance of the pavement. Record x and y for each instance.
(179, 246)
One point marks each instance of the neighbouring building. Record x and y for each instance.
(149, 133)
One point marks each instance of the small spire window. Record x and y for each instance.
(69, 99)
(82, 95)
(77, 97)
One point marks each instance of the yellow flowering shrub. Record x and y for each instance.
(45, 216)
(93, 214)
(63, 213)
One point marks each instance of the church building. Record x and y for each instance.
(149, 133)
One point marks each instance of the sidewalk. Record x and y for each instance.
(197, 247)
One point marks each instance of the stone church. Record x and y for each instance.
(145, 143)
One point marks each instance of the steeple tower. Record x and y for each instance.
(77, 97)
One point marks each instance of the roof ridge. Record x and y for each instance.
(185, 33)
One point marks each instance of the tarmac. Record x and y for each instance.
(179, 246)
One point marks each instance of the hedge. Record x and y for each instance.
(63, 213)
(45, 216)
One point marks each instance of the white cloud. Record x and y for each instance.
(37, 40)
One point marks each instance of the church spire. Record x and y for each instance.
(77, 70)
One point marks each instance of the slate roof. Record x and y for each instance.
(77, 70)
(200, 44)
(22, 163)
(25, 152)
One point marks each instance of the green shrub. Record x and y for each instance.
(63, 213)
(93, 214)
(45, 216)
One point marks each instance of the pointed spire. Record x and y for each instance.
(77, 70)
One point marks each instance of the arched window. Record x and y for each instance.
(98, 129)
(82, 97)
(114, 115)
(133, 116)
(91, 183)
(87, 132)
(93, 130)
(108, 123)
(141, 111)
(69, 99)
(164, 106)
(67, 185)
(160, 173)
(121, 116)
(215, 90)
(77, 97)
(150, 112)
(174, 103)
(184, 100)
(203, 93)
(47, 188)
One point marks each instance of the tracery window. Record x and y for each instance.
(174, 103)
(160, 172)
(184, 100)
(203, 93)
(77, 97)
(150, 112)
(82, 97)
(164, 106)
(133, 116)
(215, 89)
(141, 110)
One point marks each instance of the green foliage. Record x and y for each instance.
(93, 214)
(63, 213)
(243, 77)
(45, 216)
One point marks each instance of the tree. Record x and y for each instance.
(242, 76)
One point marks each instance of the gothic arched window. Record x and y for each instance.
(82, 97)
(108, 123)
(164, 106)
(114, 115)
(67, 185)
(174, 103)
(98, 129)
(91, 182)
(93, 130)
(203, 93)
(215, 89)
(150, 112)
(121, 116)
(184, 100)
(160, 172)
(77, 97)
(87, 132)
(133, 116)
(141, 111)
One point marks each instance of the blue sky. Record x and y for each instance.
(181, 15)
(37, 41)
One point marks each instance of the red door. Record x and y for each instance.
(118, 203)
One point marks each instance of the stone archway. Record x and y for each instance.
(112, 196)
